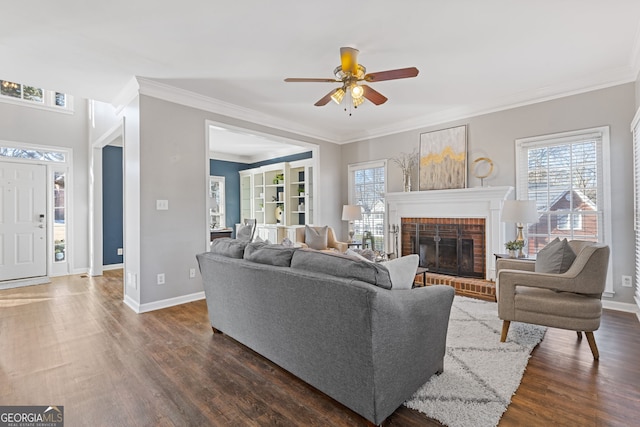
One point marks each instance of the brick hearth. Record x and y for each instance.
(476, 288)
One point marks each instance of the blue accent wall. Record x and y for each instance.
(112, 205)
(230, 171)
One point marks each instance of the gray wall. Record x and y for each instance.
(173, 165)
(49, 128)
(493, 135)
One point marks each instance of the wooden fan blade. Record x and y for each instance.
(401, 73)
(325, 99)
(373, 95)
(303, 80)
(349, 60)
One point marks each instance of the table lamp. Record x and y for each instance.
(351, 213)
(521, 212)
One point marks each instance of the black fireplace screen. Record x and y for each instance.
(454, 249)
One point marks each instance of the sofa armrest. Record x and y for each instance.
(409, 341)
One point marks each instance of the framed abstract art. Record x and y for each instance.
(443, 159)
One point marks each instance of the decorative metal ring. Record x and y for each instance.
(475, 163)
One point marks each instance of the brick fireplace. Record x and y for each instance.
(452, 246)
(447, 212)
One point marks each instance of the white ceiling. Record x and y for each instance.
(473, 56)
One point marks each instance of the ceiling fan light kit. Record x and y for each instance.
(349, 73)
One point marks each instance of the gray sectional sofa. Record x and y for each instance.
(330, 320)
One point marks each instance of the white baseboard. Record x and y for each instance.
(620, 306)
(19, 283)
(132, 304)
(113, 267)
(158, 305)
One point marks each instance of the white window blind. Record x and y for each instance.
(367, 185)
(636, 204)
(565, 174)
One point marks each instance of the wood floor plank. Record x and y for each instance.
(73, 342)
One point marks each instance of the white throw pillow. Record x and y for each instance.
(402, 271)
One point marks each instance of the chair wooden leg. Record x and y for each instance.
(505, 330)
(579, 335)
(592, 343)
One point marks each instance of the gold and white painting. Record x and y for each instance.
(443, 159)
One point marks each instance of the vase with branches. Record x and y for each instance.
(406, 162)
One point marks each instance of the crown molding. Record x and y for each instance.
(201, 102)
(141, 85)
(616, 77)
(128, 93)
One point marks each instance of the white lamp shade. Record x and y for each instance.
(351, 212)
(523, 211)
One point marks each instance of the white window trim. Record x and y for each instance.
(635, 129)
(370, 165)
(603, 133)
(48, 96)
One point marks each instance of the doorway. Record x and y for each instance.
(23, 229)
(113, 137)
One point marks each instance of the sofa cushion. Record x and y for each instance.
(402, 271)
(354, 254)
(316, 237)
(340, 265)
(226, 246)
(264, 253)
(555, 258)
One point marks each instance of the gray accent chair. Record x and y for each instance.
(571, 300)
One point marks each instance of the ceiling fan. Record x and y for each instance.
(349, 73)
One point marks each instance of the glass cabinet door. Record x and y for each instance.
(216, 203)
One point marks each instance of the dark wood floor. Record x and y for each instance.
(74, 343)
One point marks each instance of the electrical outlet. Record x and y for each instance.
(120, 251)
(627, 281)
(162, 205)
(192, 273)
(161, 279)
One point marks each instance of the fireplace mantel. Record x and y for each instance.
(480, 202)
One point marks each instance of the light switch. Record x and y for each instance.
(162, 205)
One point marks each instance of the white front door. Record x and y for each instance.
(23, 241)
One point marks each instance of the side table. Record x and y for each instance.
(526, 258)
(423, 271)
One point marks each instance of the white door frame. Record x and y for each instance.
(95, 196)
(51, 167)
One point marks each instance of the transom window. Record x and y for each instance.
(13, 92)
(32, 154)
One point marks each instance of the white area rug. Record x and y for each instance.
(480, 373)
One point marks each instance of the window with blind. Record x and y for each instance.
(567, 175)
(636, 193)
(367, 185)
